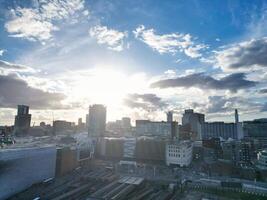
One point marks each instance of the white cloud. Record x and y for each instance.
(2, 51)
(169, 43)
(112, 38)
(38, 23)
(7, 67)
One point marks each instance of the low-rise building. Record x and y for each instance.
(262, 159)
(179, 153)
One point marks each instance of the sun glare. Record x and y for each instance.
(107, 86)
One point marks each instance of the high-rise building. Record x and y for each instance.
(22, 120)
(126, 123)
(239, 128)
(97, 120)
(169, 116)
(87, 120)
(80, 122)
(151, 128)
(194, 120)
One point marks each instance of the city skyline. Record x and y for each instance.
(59, 57)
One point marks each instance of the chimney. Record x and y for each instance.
(236, 116)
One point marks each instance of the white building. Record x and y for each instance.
(262, 159)
(179, 153)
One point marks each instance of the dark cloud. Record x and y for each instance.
(244, 55)
(264, 107)
(221, 104)
(263, 91)
(14, 91)
(232, 82)
(144, 101)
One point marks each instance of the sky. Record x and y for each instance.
(139, 58)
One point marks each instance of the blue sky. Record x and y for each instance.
(140, 58)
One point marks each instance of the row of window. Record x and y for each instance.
(175, 155)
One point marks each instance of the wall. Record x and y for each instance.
(22, 167)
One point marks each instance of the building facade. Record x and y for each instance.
(169, 116)
(262, 159)
(97, 120)
(61, 126)
(219, 129)
(160, 129)
(194, 121)
(22, 120)
(179, 153)
(255, 129)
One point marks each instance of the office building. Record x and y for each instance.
(62, 126)
(126, 123)
(169, 116)
(244, 149)
(194, 121)
(179, 153)
(22, 120)
(262, 159)
(97, 120)
(256, 129)
(129, 149)
(80, 122)
(87, 121)
(160, 129)
(239, 152)
(150, 149)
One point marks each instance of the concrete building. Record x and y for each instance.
(222, 129)
(87, 121)
(150, 149)
(22, 167)
(62, 126)
(179, 153)
(126, 123)
(121, 127)
(97, 120)
(194, 120)
(239, 152)
(129, 149)
(160, 129)
(22, 120)
(80, 122)
(141, 149)
(262, 159)
(169, 116)
(255, 129)
(219, 129)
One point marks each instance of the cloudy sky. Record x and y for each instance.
(139, 58)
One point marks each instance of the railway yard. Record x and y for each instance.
(97, 184)
(102, 183)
